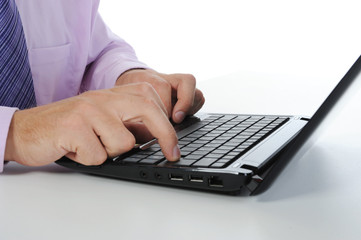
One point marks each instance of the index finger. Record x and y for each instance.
(159, 126)
(148, 111)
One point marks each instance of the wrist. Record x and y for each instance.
(122, 77)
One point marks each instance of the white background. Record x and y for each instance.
(210, 38)
(269, 44)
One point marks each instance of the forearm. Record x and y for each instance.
(5, 120)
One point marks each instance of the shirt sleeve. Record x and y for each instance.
(109, 57)
(6, 114)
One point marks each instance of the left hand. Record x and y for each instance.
(178, 92)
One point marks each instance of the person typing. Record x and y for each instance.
(70, 87)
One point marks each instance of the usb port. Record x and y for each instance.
(215, 181)
(175, 177)
(195, 178)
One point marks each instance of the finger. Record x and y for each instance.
(162, 87)
(86, 149)
(139, 131)
(185, 85)
(157, 123)
(160, 127)
(199, 101)
(164, 90)
(114, 136)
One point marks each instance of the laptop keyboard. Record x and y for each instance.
(215, 143)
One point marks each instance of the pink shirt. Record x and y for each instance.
(71, 50)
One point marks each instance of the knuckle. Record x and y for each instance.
(190, 78)
(203, 99)
(75, 118)
(129, 143)
(164, 84)
(152, 108)
(199, 96)
(150, 103)
(172, 134)
(112, 149)
(73, 121)
(144, 88)
(99, 158)
(112, 152)
(90, 153)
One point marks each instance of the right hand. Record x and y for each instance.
(90, 127)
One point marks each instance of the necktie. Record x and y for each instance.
(16, 83)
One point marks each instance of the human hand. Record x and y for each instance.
(178, 92)
(90, 127)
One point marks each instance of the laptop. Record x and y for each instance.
(226, 153)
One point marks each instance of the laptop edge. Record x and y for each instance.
(311, 131)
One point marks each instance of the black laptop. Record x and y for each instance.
(226, 153)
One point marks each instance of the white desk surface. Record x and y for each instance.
(318, 195)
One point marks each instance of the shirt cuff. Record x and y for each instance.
(118, 68)
(6, 114)
(105, 72)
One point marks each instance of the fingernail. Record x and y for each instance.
(180, 116)
(176, 152)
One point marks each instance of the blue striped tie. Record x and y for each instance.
(16, 83)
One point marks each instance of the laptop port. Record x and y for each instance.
(158, 176)
(195, 178)
(143, 174)
(215, 181)
(175, 177)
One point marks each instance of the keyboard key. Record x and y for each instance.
(222, 160)
(234, 153)
(231, 144)
(224, 147)
(188, 139)
(139, 156)
(219, 151)
(206, 138)
(195, 135)
(206, 148)
(193, 157)
(218, 165)
(183, 162)
(215, 155)
(144, 153)
(227, 158)
(155, 157)
(201, 152)
(159, 153)
(204, 162)
(131, 160)
(188, 148)
(185, 153)
(218, 132)
(196, 145)
(201, 142)
(150, 161)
